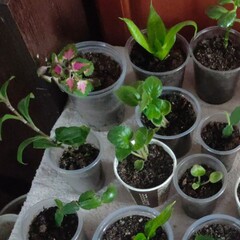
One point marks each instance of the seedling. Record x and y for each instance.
(87, 200)
(232, 120)
(199, 171)
(72, 136)
(153, 224)
(127, 142)
(159, 40)
(204, 237)
(225, 18)
(147, 94)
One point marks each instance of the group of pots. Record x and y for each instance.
(102, 109)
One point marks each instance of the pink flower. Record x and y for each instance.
(70, 83)
(69, 54)
(77, 65)
(57, 69)
(81, 85)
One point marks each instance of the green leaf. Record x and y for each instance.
(152, 111)
(73, 136)
(222, 2)
(227, 19)
(198, 170)
(109, 195)
(166, 107)
(59, 203)
(146, 99)
(152, 86)
(92, 202)
(215, 12)
(140, 236)
(3, 90)
(23, 107)
(156, 30)
(215, 177)
(137, 34)
(157, 122)
(195, 185)
(43, 144)
(58, 217)
(140, 137)
(235, 116)
(3, 119)
(70, 208)
(227, 131)
(237, 3)
(128, 95)
(121, 153)
(139, 165)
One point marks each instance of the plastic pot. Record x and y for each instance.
(89, 177)
(211, 219)
(151, 196)
(101, 109)
(212, 86)
(7, 222)
(180, 143)
(129, 211)
(169, 78)
(236, 195)
(226, 157)
(195, 207)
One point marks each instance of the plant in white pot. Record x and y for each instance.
(89, 72)
(158, 51)
(73, 149)
(145, 166)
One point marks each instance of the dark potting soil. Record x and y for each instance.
(212, 136)
(127, 227)
(212, 53)
(180, 119)
(81, 157)
(204, 191)
(219, 231)
(43, 226)
(145, 60)
(157, 168)
(106, 70)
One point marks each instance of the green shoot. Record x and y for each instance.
(204, 237)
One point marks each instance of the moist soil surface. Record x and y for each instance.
(212, 136)
(43, 226)
(106, 70)
(157, 168)
(219, 231)
(145, 60)
(204, 191)
(127, 227)
(180, 119)
(212, 53)
(81, 157)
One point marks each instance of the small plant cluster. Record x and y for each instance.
(159, 40)
(199, 171)
(70, 71)
(127, 142)
(72, 136)
(147, 94)
(152, 225)
(87, 200)
(225, 18)
(232, 119)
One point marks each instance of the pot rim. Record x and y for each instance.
(235, 192)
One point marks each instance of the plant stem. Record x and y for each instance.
(226, 38)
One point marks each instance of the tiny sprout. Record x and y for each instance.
(199, 171)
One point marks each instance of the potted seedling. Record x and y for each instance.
(173, 111)
(145, 166)
(89, 72)
(215, 52)
(136, 223)
(75, 151)
(214, 227)
(219, 136)
(157, 50)
(54, 219)
(199, 179)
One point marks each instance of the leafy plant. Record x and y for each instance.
(147, 94)
(87, 200)
(232, 120)
(127, 142)
(153, 224)
(225, 18)
(159, 40)
(199, 171)
(70, 71)
(204, 237)
(73, 136)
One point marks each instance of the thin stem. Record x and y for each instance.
(226, 37)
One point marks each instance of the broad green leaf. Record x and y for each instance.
(152, 111)
(140, 236)
(165, 107)
(70, 46)
(90, 203)
(121, 154)
(198, 170)
(137, 34)
(70, 208)
(109, 195)
(3, 90)
(146, 99)
(3, 119)
(59, 203)
(152, 225)
(73, 136)
(76, 92)
(140, 138)
(227, 131)
(237, 2)
(222, 2)
(155, 28)
(43, 143)
(152, 86)
(215, 12)
(120, 136)
(227, 19)
(157, 122)
(58, 217)
(195, 185)
(129, 95)
(23, 107)
(215, 177)
(235, 116)
(150, 135)
(139, 165)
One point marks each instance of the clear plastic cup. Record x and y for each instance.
(236, 195)
(7, 222)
